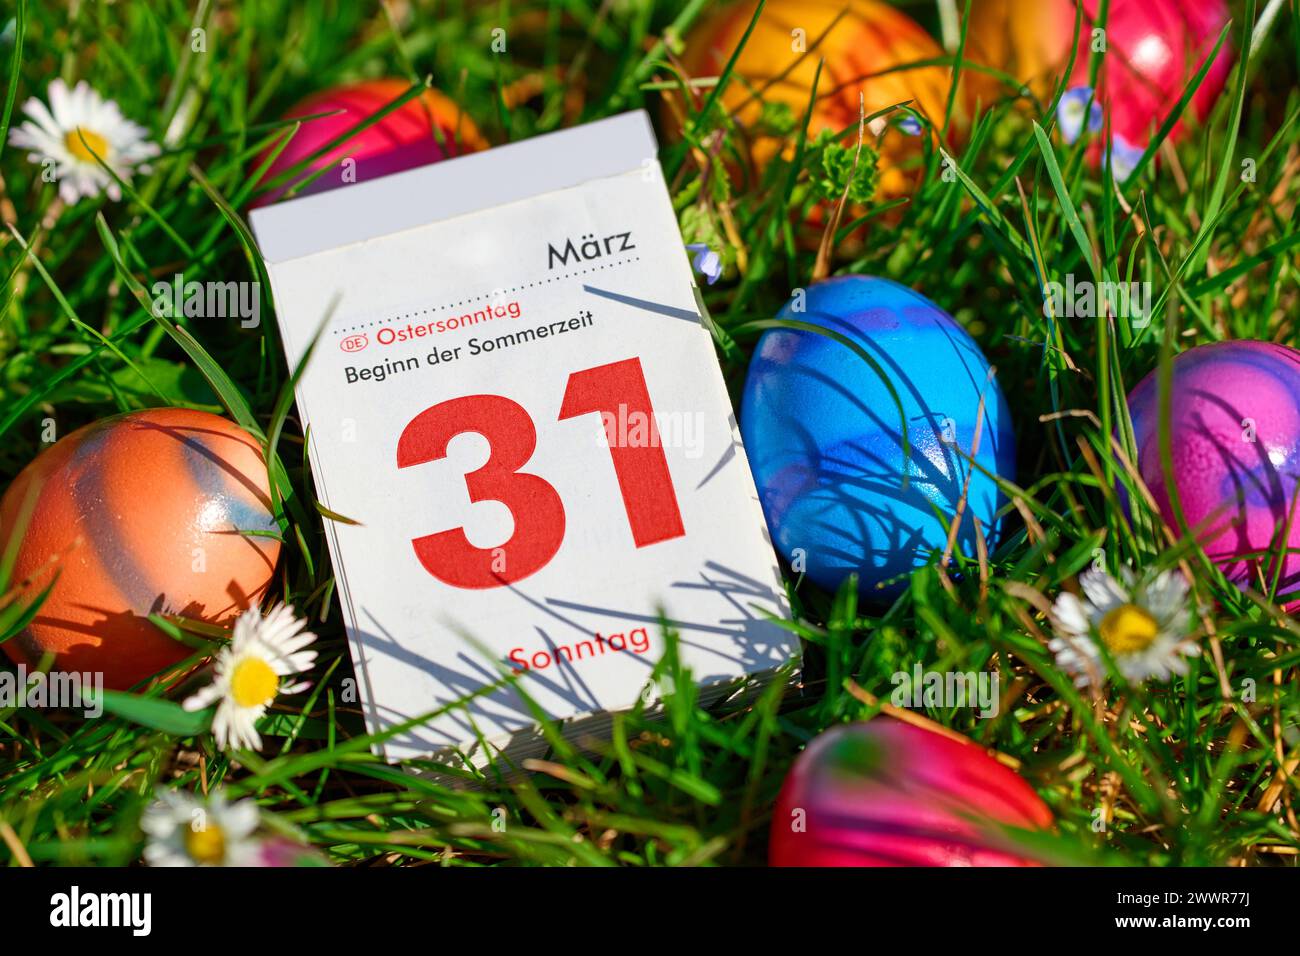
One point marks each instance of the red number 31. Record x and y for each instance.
(534, 504)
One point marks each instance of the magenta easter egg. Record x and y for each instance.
(424, 130)
(1235, 449)
(888, 793)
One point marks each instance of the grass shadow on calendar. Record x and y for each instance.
(727, 648)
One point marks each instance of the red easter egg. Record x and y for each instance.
(888, 793)
(139, 513)
(424, 130)
(1154, 48)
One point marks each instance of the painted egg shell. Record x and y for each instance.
(278, 851)
(424, 130)
(887, 793)
(1154, 48)
(140, 513)
(1235, 444)
(824, 439)
(860, 47)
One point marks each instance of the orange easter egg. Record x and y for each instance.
(139, 513)
(1029, 41)
(867, 46)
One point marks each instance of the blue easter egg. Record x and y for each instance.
(825, 441)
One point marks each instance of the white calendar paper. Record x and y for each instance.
(515, 397)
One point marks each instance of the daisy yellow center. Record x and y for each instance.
(96, 143)
(207, 845)
(1128, 629)
(253, 682)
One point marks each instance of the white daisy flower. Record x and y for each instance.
(248, 673)
(1144, 626)
(78, 125)
(186, 831)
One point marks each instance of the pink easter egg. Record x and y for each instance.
(1153, 50)
(424, 130)
(1156, 48)
(888, 793)
(1235, 450)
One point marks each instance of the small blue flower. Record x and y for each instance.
(1070, 113)
(1124, 158)
(706, 262)
(910, 125)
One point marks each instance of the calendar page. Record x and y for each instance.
(515, 398)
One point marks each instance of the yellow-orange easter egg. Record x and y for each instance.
(1028, 41)
(867, 46)
(139, 513)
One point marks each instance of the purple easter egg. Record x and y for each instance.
(1235, 448)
